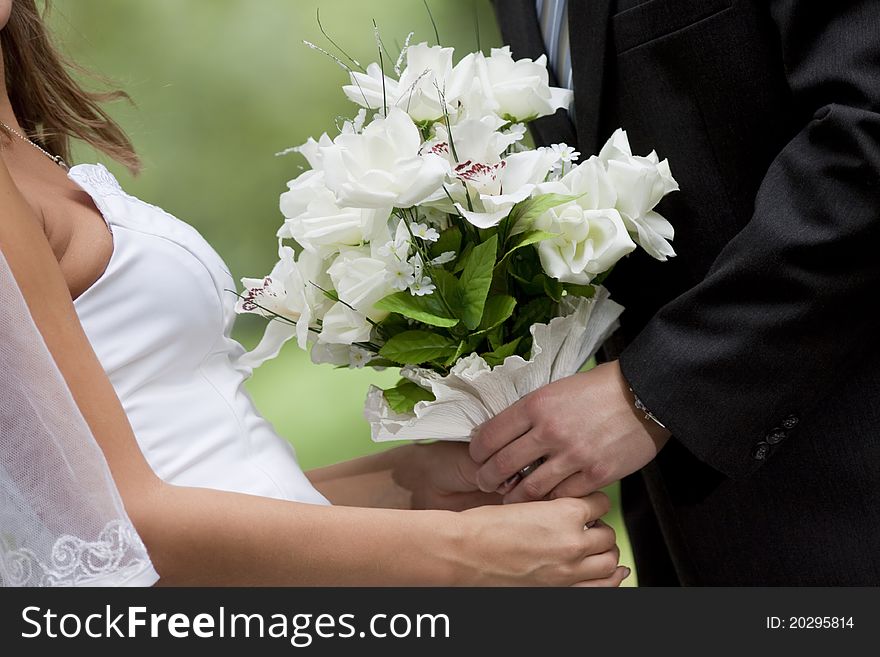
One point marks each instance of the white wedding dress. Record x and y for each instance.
(159, 319)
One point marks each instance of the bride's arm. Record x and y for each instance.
(201, 536)
(419, 476)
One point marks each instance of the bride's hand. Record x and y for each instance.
(441, 476)
(541, 544)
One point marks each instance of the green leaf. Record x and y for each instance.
(417, 347)
(428, 309)
(579, 290)
(553, 288)
(524, 239)
(536, 310)
(447, 288)
(475, 281)
(450, 240)
(380, 363)
(403, 397)
(463, 258)
(496, 337)
(497, 356)
(525, 212)
(497, 311)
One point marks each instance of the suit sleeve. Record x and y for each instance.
(736, 365)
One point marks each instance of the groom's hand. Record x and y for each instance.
(441, 476)
(585, 426)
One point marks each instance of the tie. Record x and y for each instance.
(553, 16)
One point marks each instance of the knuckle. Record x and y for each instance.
(532, 488)
(597, 472)
(606, 563)
(533, 402)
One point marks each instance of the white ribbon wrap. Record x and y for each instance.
(473, 392)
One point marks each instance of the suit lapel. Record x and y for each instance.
(518, 20)
(588, 24)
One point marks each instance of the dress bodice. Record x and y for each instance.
(160, 320)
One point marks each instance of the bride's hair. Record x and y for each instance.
(48, 102)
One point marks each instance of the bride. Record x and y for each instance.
(132, 306)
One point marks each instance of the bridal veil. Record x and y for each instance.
(62, 521)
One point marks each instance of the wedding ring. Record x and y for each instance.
(530, 468)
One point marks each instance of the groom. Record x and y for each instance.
(753, 420)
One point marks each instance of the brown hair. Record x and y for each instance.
(48, 102)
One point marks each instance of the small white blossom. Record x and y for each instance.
(565, 153)
(418, 265)
(399, 246)
(358, 358)
(424, 232)
(443, 258)
(401, 273)
(422, 287)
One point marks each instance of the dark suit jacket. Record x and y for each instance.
(758, 345)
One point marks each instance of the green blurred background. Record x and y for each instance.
(219, 86)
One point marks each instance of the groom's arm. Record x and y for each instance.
(791, 299)
(733, 366)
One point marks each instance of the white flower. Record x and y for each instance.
(640, 183)
(470, 367)
(591, 236)
(401, 274)
(475, 140)
(424, 232)
(358, 358)
(418, 265)
(423, 83)
(381, 167)
(422, 287)
(443, 258)
(399, 246)
(360, 280)
(565, 153)
(495, 189)
(420, 90)
(311, 150)
(316, 221)
(342, 325)
(517, 90)
(287, 292)
(369, 89)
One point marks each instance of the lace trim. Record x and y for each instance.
(118, 551)
(98, 178)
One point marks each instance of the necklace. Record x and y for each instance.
(57, 159)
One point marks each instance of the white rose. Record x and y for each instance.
(418, 92)
(640, 183)
(310, 150)
(421, 83)
(342, 325)
(518, 90)
(370, 90)
(316, 221)
(591, 235)
(381, 167)
(361, 280)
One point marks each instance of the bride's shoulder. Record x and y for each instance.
(97, 177)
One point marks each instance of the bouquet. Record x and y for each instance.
(427, 236)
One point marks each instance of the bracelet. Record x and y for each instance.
(639, 404)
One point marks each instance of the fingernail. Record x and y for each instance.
(626, 572)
